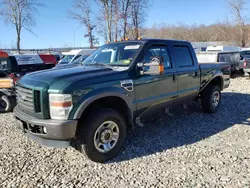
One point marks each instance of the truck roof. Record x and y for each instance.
(143, 40)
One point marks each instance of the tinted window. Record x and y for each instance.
(182, 56)
(158, 51)
(245, 52)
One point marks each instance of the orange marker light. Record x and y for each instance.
(161, 68)
(61, 104)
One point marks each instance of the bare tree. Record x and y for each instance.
(138, 14)
(82, 13)
(20, 13)
(107, 7)
(125, 6)
(116, 18)
(237, 7)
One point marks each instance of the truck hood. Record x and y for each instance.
(58, 77)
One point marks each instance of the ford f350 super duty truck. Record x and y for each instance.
(94, 104)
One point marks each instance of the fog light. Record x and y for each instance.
(45, 130)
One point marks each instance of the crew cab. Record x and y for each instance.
(95, 103)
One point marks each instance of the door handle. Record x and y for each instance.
(196, 74)
(174, 77)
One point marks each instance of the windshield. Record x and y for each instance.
(245, 53)
(66, 59)
(118, 54)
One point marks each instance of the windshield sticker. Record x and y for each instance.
(132, 47)
(126, 61)
(107, 50)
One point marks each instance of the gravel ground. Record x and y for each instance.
(190, 149)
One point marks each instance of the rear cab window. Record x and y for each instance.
(183, 56)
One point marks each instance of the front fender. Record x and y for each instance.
(94, 95)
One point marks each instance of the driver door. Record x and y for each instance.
(156, 90)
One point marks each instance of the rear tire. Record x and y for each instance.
(103, 125)
(211, 99)
(7, 103)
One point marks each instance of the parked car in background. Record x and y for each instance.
(95, 103)
(74, 55)
(12, 68)
(223, 48)
(77, 62)
(246, 66)
(233, 58)
(245, 54)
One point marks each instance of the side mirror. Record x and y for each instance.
(154, 67)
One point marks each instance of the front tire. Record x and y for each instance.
(7, 103)
(211, 99)
(102, 135)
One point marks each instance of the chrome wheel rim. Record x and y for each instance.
(216, 98)
(106, 136)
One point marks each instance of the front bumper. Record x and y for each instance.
(58, 132)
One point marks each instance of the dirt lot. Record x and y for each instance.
(190, 149)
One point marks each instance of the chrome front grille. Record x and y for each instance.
(25, 98)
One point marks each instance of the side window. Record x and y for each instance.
(183, 56)
(225, 58)
(158, 51)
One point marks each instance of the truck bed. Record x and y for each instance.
(208, 70)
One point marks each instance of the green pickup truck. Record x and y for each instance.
(92, 105)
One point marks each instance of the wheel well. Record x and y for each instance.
(218, 81)
(115, 103)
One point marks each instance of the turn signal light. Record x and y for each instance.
(61, 104)
(161, 69)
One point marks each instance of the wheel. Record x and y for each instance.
(102, 135)
(7, 103)
(211, 99)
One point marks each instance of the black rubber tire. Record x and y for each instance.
(206, 99)
(10, 103)
(84, 141)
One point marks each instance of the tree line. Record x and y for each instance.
(233, 31)
(117, 19)
(121, 19)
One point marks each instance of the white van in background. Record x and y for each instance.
(72, 55)
(82, 53)
(223, 49)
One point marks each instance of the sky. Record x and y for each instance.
(54, 28)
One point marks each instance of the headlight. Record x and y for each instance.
(60, 105)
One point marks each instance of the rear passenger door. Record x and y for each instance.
(187, 71)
